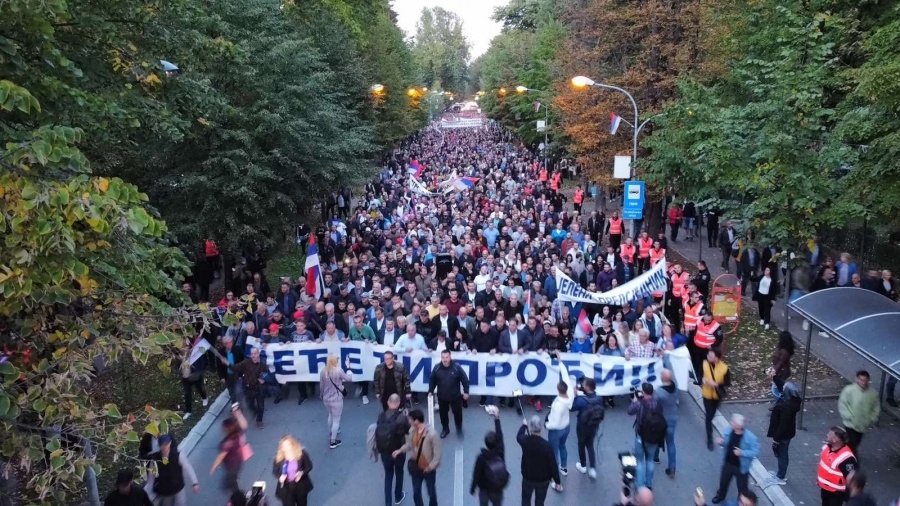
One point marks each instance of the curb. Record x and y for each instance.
(188, 444)
(758, 471)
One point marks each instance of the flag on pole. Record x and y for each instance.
(415, 169)
(314, 285)
(614, 121)
(464, 183)
(583, 326)
(537, 106)
(527, 309)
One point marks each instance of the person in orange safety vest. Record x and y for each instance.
(836, 465)
(708, 335)
(614, 229)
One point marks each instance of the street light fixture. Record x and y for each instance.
(377, 88)
(582, 81)
(502, 92)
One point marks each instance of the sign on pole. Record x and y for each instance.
(541, 125)
(633, 200)
(622, 167)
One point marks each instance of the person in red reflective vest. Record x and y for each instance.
(678, 279)
(693, 311)
(614, 229)
(628, 253)
(836, 465)
(708, 335)
(657, 253)
(578, 198)
(644, 245)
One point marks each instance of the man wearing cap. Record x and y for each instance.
(173, 472)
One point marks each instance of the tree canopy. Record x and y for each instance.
(441, 50)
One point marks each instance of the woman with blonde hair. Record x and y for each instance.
(292, 466)
(331, 385)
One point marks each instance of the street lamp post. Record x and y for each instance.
(525, 89)
(582, 81)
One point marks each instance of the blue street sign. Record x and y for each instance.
(634, 191)
(633, 204)
(633, 214)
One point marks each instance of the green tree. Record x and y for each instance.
(441, 51)
(762, 136)
(85, 270)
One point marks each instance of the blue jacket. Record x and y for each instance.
(749, 449)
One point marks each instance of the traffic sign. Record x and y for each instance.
(633, 214)
(634, 191)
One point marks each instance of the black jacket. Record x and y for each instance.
(447, 381)
(300, 488)
(171, 476)
(783, 420)
(452, 325)
(538, 461)
(222, 369)
(480, 477)
(484, 341)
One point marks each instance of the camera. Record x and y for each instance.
(636, 392)
(517, 392)
(628, 462)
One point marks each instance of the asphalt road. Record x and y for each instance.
(345, 476)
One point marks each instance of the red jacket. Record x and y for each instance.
(675, 215)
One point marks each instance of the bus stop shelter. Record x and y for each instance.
(865, 321)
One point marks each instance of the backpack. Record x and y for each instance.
(497, 475)
(593, 413)
(387, 433)
(653, 425)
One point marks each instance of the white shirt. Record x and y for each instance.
(481, 281)
(764, 284)
(417, 342)
(444, 324)
(441, 346)
(389, 337)
(514, 341)
(559, 409)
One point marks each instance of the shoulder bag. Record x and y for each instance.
(413, 465)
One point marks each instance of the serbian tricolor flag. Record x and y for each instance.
(414, 169)
(314, 284)
(583, 326)
(464, 183)
(527, 309)
(614, 121)
(537, 107)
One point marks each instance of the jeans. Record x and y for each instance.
(536, 488)
(430, 480)
(586, 443)
(729, 471)
(644, 453)
(492, 498)
(781, 453)
(557, 438)
(670, 445)
(393, 467)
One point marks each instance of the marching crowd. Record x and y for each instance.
(473, 270)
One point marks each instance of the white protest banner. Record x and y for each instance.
(499, 374)
(651, 281)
